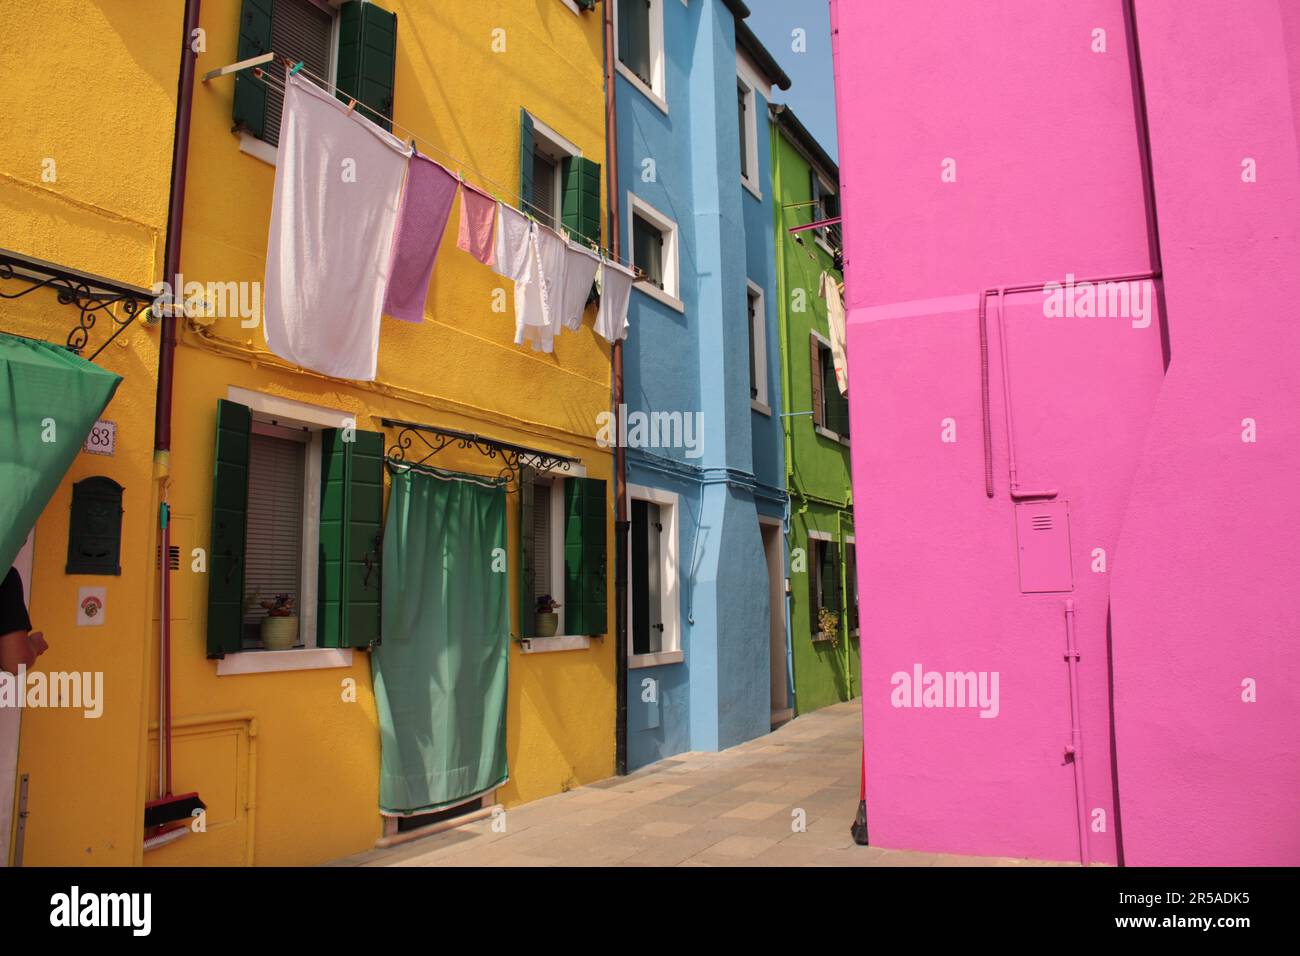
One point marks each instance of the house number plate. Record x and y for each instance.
(102, 439)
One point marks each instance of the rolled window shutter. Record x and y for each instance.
(367, 60)
(585, 521)
(300, 30)
(526, 150)
(581, 212)
(527, 573)
(229, 520)
(255, 18)
(815, 373)
(273, 545)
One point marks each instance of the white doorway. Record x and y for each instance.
(10, 720)
(775, 554)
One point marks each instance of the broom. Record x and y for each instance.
(165, 818)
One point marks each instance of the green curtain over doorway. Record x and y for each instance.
(49, 399)
(440, 670)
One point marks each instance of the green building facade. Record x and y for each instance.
(823, 603)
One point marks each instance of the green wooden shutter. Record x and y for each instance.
(640, 577)
(350, 548)
(580, 208)
(365, 540)
(527, 605)
(814, 584)
(585, 521)
(525, 162)
(229, 518)
(367, 58)
(254, 40)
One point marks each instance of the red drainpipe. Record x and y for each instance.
(162, 428)
(620, 455)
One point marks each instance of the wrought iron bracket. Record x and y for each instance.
(427, 440)
(88, 294)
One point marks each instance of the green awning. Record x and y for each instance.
(49, 400)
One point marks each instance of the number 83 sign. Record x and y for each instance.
(102, 438)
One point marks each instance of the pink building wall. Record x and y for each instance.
(1048, 155)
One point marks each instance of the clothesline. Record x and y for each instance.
(523, 206)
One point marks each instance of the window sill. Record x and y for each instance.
(635, 661)
(301, 659)
(833, 436)
(660, 295)
(641, 86)
(257, 148)
(548, 645)
(821, 637)
(752, 186)
(761, 407)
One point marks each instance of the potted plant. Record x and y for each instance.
(548, 622)
(280, 626)
(829, 622)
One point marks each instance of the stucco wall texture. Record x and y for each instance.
(999, 145)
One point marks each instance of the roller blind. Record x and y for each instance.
(274, 537)
(540, 563)
(300, 30)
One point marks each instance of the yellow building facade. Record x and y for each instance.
(286, 754)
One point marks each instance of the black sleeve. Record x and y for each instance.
(13, 610)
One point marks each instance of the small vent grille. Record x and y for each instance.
(1041, 522)
(173, 557)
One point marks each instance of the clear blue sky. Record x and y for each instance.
(812, 84)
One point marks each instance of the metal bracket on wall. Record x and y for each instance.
(20, 836)
(89, 294)
(432, 439)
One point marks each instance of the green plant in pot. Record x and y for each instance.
(280, 626)
(548, 622)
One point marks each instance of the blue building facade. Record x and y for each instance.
(707, 618)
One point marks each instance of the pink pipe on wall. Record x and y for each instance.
(1074, 750)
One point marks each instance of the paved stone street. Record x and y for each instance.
(697, 809)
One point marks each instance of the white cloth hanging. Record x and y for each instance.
(552, 266)
(581, 265)
(615, 294)
(829, 289)
(338, 182)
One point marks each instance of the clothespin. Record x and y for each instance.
(296, 67)
(352, 105)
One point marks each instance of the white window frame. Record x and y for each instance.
(656, 92)
(555, 147)
(670, 294)
(827, 188)
(260, 149)
(751, 79)
(758, 339)
(822, 429)
(670, 573)
(308, 657)
(560, 641)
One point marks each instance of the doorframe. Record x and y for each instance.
(11, 722)
(773, 534)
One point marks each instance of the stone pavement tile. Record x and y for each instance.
(783, 854)
(734, 849)
(672, 851)
(904, 858)
(949, 859)
(851, 855)
(662, 829)
(763, 784)
(754, 810)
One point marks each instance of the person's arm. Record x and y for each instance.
(18, 645)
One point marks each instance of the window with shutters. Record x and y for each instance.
(350, 45)
(564, 523)
(653, 606)
(639, 30)
(826, 205)
(757, 348)
(823, 582)
(830, 408)
(558, 186)
(851, 584)
(653, 239)
(297, 514)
